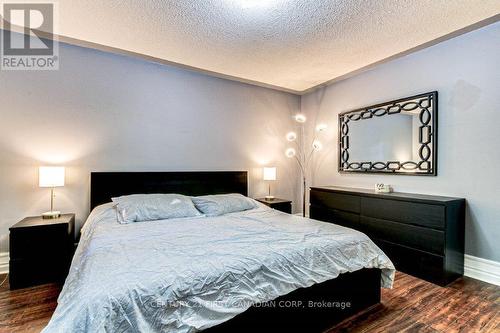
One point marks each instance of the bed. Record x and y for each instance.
(259, 269)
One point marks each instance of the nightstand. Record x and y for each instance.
(40, 250)
(278, 204)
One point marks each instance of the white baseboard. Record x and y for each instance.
(482, 269)
(4, 262)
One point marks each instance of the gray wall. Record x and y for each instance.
(466, 72)
(102, 112)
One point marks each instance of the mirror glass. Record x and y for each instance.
(393, 137)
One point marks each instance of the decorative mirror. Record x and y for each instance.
(397, 137)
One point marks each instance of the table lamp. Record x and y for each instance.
(270, 175)
(51, 177)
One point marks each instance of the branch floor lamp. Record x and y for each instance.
(301, 152)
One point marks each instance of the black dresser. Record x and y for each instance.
(423, 235)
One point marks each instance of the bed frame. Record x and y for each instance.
(348, 294)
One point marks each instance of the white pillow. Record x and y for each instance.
(219, 204)
(151, 207)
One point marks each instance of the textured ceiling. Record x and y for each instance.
(291, 44)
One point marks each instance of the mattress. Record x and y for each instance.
(189, 274)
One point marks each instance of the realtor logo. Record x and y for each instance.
(28, 37)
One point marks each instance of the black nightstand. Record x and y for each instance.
(278, 204)
(40, 250)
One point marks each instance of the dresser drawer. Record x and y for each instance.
(417, 263)
(407, 235)
(335, 216)
(345, 202)
(426, 215)
(24, 273)
(39, 242)
(285, 207)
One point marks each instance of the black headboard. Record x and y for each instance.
(106, 185)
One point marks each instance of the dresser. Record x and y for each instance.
(423, 235)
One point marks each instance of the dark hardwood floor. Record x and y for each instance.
(28, 309)
(413, 305)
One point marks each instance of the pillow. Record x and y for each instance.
(151, 207)
(215, 205)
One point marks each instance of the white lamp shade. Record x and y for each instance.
(291, 136)
(290, 152)
(317, 145)
(300, 118)
(270, 173)
(51, 176)
(321, 127)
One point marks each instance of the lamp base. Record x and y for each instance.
(51, 215)
(269, 197)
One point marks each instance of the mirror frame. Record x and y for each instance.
(428, 116)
